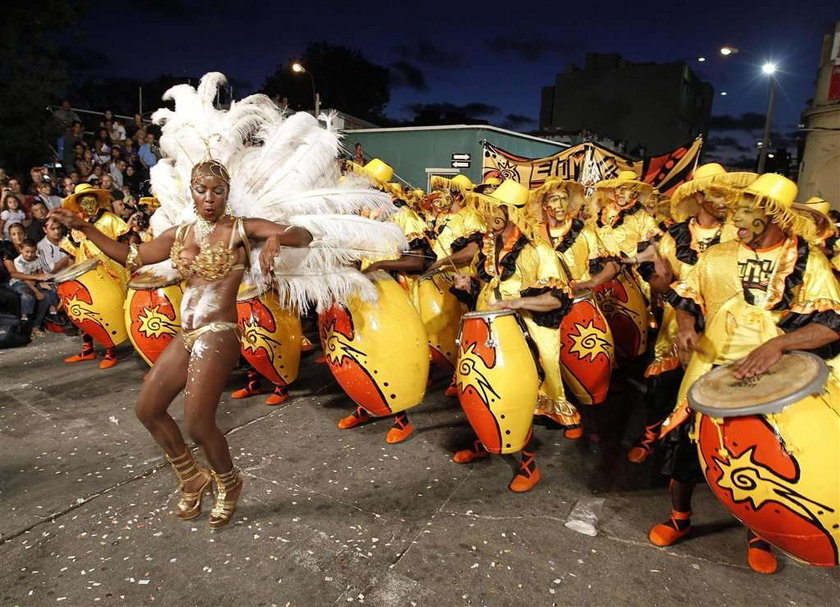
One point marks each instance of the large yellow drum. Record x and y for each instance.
(377, 351)
(770, 450)
(497, 379)
(152, 312)
(271, 335)
(93, 300)
(441, 314)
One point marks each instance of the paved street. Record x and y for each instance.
(333, 517)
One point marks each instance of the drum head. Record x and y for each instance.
(795, 376)
(249, 291)
(76, 270)
(489, 314)
(148, 279)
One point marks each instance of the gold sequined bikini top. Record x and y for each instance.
(213, 262)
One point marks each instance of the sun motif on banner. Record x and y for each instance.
(153, 323)
(589, 342)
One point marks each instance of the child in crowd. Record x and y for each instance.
(12, 214)
(29, 277)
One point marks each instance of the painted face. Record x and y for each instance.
(713, 202)
(751, 221)
(497, 219)
(209, 196)
(624, 196)
(557, 205)
(442, 202)
(88, 204)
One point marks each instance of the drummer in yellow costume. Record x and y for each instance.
(94, 206)
(700, 207)
(512, 272)
(411, 263)
(755, 298)
(584, 260)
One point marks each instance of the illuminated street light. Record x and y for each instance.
(728, 51)
(769, 68)
(723, 93)
(297, 68)
(701, 59)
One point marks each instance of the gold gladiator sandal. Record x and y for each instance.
(224, 508)
(189, 506)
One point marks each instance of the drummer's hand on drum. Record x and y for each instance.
(68, 218)
(687, 340)
(462, 282)
(759, 360)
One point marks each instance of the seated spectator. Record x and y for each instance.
(96, 174)
(148, 152)
(53, 257)
(36, 177)
(65, 116)
(107, 116)
(121, 209)
(118, 172)
(75, 179)
(132, 179)
(128, 198)
(66, 188)
(12, 215)
(46, 196)
(84, 164)
(134, 126)
(9, 251)
(29, 276)
(129, 153)
(117, 131)
(9, 299)
(35, 229)
(101, 153)
(108, 184)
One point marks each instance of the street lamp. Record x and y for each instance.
(727, 51)
(769, 69)
(297, 68)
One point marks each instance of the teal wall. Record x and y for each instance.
(410, 151)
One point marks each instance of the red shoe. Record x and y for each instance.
(400, 431)
(527, 477)
(76, 358)
(465, 456)
(245, 392)
(108, 361)
(642, 451)
(359, 416)
(573, 432)
(760, 556)
(667, 534)
(280, 395)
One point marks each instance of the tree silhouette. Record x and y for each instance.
(344, 78)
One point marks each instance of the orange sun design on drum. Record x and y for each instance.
(748, 480)
(589, 341)
(472, 368)
(253, 338)
(336, 349)
(79, 311)
(153, 323)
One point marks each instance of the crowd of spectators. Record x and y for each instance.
(105, 152)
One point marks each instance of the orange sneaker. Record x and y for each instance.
(76, 358)
(760, 556)
(465, 456)
(573, 432)
(400, 431)
(527, 477)
(280, 395)
(359, 416)
(667, 534)
(108, 361)
(644, 448)
(245, 392)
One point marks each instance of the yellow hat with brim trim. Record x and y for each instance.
(149, 201)
(816, 210)
(817, 204)
(775, 194)
(379, 173)
(510, 194)
(711, 175)
(625, 178)
(103, 198)
(492, 181)
(459, 182)
(575, 191)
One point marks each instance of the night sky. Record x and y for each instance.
(460, 53)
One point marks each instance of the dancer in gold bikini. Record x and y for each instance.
(211, 254)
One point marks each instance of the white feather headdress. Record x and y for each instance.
(283, 169)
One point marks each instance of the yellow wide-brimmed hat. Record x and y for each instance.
(458, 182)
(379, 173)
(575, 190)
(816, 209)
(712, 174)
(150, 202)
(510, 194)
(775, 194)
(817, 204)
(103, 197)
(624, 178)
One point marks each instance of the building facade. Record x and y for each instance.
(648, 108)
(819, 170)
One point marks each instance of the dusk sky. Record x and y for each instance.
(458, 53)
